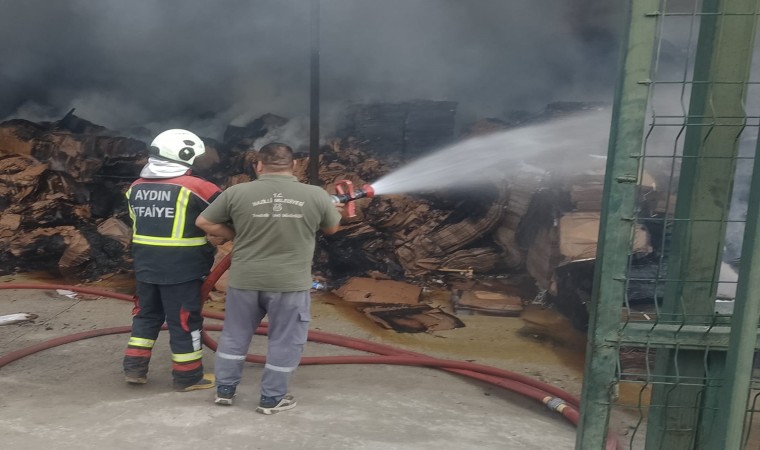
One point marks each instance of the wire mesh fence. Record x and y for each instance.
(671, 366)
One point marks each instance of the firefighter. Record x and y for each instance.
(171, 258)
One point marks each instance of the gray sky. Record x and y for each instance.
(203, 64)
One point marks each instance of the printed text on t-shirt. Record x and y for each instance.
(277, 201)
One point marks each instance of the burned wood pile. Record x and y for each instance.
(63, 210)
(59, 190)
(62, 183)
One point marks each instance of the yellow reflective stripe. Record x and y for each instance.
(178, 226)
(187, 357)
(180, 211)
(168, 242)
(129, 207)
(140, 342)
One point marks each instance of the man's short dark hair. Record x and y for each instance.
(276, 156)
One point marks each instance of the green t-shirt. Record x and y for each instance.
(275, 219)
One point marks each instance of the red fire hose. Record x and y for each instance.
(554, 398)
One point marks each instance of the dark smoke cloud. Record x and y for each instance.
(203, 64)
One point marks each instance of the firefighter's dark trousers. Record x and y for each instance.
(179, 306)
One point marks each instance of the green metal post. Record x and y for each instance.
(716, 118)
(744, 327)
(616, 226)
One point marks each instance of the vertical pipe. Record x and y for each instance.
(314, 95)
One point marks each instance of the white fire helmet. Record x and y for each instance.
(177, 145)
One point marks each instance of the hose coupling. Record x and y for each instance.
(555, 404)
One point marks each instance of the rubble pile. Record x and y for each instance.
(62, 205)
(57, 188)
(62, 209)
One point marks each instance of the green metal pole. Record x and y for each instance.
(626, 140)
(672, 415)
(716, 118)
(737, 41)
(744, 327)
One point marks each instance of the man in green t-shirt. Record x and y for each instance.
(273, 222)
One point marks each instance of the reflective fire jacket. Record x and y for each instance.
(166, 245)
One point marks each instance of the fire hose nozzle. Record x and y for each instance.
(346, 193)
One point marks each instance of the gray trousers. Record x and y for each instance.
(288, 315)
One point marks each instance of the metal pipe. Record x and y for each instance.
(314, 96)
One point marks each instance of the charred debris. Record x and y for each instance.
(529, 239)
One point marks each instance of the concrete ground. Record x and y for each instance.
(74, 396)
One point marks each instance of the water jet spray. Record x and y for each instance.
(559, 145)
(564, 144)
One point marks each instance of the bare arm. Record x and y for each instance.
(332, 230)
(216, 240)
(215, 229)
